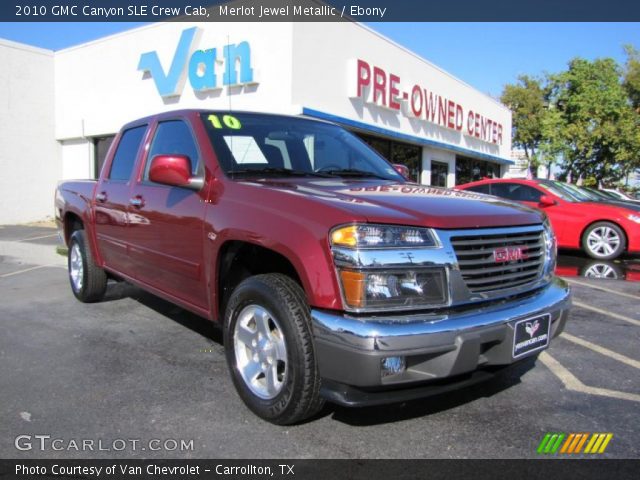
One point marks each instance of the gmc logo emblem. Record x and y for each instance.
(509, 254)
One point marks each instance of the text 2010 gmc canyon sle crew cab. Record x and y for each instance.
(333, 277)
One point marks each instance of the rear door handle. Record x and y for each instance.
(101, 197)
(137, 202)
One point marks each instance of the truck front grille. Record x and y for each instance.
(500, 261)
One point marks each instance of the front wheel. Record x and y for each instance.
(88, 281)
(269, 349)
(604, 241)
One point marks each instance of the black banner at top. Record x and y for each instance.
(316, 10)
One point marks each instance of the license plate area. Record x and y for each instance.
(531, 334)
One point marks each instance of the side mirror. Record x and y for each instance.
(547, 201)
(174, 170)
(402, 170)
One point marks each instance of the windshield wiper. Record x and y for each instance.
(352, 172)
(276, 171)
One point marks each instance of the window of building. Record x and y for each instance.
(439, 173)
(174, 137)
(472, 169)
(101, 148)
(125, 156)
(398, 152)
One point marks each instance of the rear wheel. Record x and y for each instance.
(88, 281)
(604, 241)
(269, 349)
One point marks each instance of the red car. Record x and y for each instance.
(603, 231)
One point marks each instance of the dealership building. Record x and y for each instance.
(61, 110)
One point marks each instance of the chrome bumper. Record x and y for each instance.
(349, 349)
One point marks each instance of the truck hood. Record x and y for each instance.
(405, 203)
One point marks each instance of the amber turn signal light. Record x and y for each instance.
(353, 286)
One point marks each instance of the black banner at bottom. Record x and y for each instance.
(543, 469)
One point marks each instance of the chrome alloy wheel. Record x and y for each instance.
(603, 241)
(260, 351)
(76, 267)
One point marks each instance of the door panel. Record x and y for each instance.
(112, 201)
(166, 234)
(111, 224)
(166, 223)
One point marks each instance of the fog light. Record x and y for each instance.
(392, 366)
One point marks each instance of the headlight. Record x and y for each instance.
(388, 267)
(393, 289)
(382, 236)
(550, 248)
(634, 218)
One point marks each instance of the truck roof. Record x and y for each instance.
(192, 112)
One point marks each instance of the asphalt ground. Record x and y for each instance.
(137, 376)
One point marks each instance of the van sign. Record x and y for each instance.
(201, 66)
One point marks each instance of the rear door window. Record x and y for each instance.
(126, 153)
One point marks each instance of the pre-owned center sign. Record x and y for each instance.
(376, 86)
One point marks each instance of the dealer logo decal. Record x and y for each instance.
(573, 443)
(532, 327)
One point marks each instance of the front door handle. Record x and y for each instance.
(101, 197)
(137, 202)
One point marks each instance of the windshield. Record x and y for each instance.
(557, 190)
(578, 192)
(600, 195)
(249, 144)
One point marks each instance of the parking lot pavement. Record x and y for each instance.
(137, 368)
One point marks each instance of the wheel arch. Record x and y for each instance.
(238, 260)
(71, 223)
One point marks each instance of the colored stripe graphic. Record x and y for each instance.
(556, 445)
(598, 443)
(551, 442)
(565, 447)
(579, 446)
(543, 443)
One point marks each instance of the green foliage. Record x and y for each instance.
(527, 101)
(632, 76)
(588, 116)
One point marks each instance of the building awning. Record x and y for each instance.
(346, 122)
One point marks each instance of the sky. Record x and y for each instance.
(485, 55)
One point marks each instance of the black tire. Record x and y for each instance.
(284, 304)
(613, 245)
(90, 284)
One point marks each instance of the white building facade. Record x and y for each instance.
(64, 107)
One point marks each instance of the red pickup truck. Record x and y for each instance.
(332, 277)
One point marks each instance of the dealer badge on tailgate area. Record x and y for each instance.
(530, 335)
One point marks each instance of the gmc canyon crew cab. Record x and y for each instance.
(333, 277)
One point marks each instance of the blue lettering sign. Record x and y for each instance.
(205, 59)
(201, 66)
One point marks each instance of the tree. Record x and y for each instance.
(527, 101)
(598, 128)
(632, 76)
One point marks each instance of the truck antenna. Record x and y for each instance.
(228, 69)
